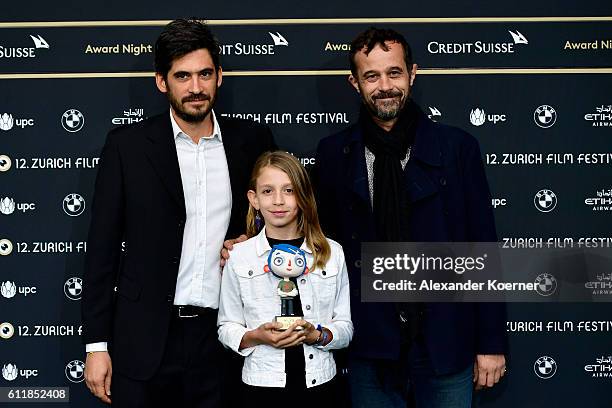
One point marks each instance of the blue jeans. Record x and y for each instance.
(388, 384)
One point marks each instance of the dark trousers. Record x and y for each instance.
(191, 373)
(294, 396)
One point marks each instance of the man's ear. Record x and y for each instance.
(160, 81)
(219, 76)
(353, 81)
(413, 72)
(253, 199)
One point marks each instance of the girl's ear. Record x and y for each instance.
(252, 196)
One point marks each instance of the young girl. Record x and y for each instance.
(292, 366)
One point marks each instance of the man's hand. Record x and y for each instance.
(228, 245)
(98, 372)
(488, 369)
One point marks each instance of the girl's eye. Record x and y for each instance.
(278, 261)
(299, 262)
(289, 190)
(266, 191)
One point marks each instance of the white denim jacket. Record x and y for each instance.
(249, 299)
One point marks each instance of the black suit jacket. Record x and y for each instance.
(139, 199)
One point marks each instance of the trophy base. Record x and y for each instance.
(287, 321)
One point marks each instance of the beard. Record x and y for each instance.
(192, 114)
(388, 109)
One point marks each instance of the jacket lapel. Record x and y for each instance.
(425, 156)
(161, 152)
(234, 153)
(357, 171)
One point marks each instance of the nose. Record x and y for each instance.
(289, 264)
(384, 83)
(195, 87)
(278, 198)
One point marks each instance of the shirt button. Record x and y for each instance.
(310, 356)
(303, 280)
(307, 307)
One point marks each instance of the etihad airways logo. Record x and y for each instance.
(24, 51)
(479, 47)
(261, 48)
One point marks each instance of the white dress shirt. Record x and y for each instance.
(208, 203)
(249, 298)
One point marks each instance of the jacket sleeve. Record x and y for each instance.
(103, 246)
(491, 336)
(341, 325)
(231, 321)
(324, 192)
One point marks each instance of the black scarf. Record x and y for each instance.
(390, 148)
(391, 209)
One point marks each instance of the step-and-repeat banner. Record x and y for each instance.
(534, 90)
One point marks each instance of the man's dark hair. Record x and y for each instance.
(179, 38)
(372, 37)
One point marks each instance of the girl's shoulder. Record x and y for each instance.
(243, 251)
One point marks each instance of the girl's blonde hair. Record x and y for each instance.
(308, 219)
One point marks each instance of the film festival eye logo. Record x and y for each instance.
(6, 247)
(8, 289)
(545, 367)
(545, 284)
(6, 121)
(6, 330)
(73, 120)
(435, 114)
(73, 288)
(545, 200)
(75, 371)
(7, 205)
(545, 116)
(9, 372)
(73, 204)
(5, 163)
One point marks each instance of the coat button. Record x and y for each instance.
(346, 150)
(354, 236)
(357, 263)
(250, 273)
(310, 356)
(323, 273)
(181, 224)
(175, 259)
(169, 298)
(307, 307)
(443, 181)
(303, 280)
(314, 382)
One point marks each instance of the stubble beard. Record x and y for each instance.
(197, 115)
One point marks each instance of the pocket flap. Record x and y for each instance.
(128, 288)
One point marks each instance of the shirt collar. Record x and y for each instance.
(176, 130)
(262, 246)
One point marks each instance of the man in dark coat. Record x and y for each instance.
(172, 187)
(398, 176)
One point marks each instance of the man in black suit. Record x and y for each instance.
(172, 187)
